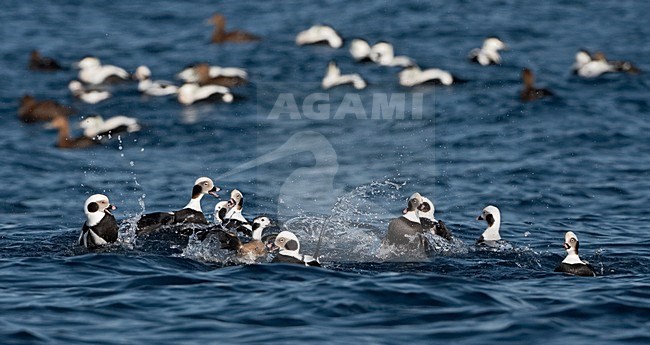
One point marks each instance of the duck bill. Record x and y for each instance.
(109, 209)
(480, 217)
(214, 191)
(566, 246)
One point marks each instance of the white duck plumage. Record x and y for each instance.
(383, 54)
(492, 231)
(360, 49)
(90, 96)
(93, 72)
(320, 33)
(190, 93)
(190, 75)
(96, 125)
(334, 78)
(489, 52)
(413, 76)
(587, 67)
(151, 87)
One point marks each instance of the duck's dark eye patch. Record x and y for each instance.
(292, 245)
(93, 207)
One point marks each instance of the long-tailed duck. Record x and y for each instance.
(220, 211)
(529, 92)
(488, 54)
(404, 238)
(37, 62)
(492, 216)
(190, 74)
(151, 87)
(100, 227)
(96, 126)
(383, 54)
(320, 34)
(220, 35)
(191, 93)
(191, 213)
(334, 78)
(412, 76)
(591, 66)
(289, 253)
(32, 110)
(214, 75)
(572, 263)
(429, 222)
(90, 95)
(234, 218)
(91, 71)
(360, 50)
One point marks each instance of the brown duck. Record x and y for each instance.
(203, 72)
(220, 35)
(65, 141)
(31, 110)
(37, 62)
(529, 92)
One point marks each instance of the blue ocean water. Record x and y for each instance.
(579, 161)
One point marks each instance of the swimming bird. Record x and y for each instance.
(572, 263)
(32, 110)
(429, 222)
(289, 251)
(320, 34)
(492, 216)
(587, 67)
(383, 54)
(190, 74)
(191, 93)
(150, 87)
(96, 126)
(214, 75)
(488, 54)
(360, 50)
(100, 227)
(591, 66)
(91, 71)
(529, 92)
(42, 63)
(65, 141)
(334, 78)
(234, 218)
(404, 237)
(255, 248)
(91, 96)
(220, 211)
(412, 76)
(220, 35)
(190, 214)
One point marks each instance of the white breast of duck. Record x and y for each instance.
(89, 96)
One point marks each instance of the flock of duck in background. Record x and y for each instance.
(203, 82)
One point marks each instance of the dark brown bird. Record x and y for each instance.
(220, 35)
(31, 110)
(203, 73)
(529, 92)
(42, 63)
(65, 141)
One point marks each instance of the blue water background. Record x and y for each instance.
(579, 161)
